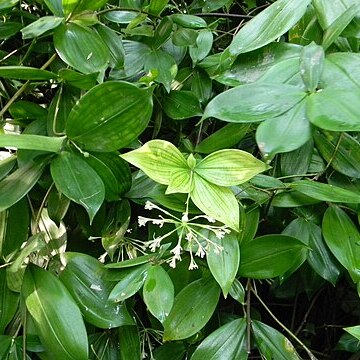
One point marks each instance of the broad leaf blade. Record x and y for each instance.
(335, 109)
(56, 316)
(158, 159)
(270, 24)
(224, 265)
(192, 309)
(312, 65)
(216, 201)
(158, 292)
(272, 344)
(40, 26)
(284, 133)
(114, 122)
(78, 181)
(253, 102)
(84, 276)
(342, 237)
(269, 256)
(82, 48)
(229, 167)
(227, 342)
(33, 142)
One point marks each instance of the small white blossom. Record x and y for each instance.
(193, 265)
(150, 206)
(200, 251)
(142, 221)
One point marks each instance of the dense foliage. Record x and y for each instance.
(179, 179)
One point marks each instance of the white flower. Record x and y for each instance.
(142, 221)
(200, 251)
(150, 206)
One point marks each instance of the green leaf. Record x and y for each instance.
(6, 341)
(272, 344)
(81, 47)
(55, 7)
(224, 265)
(354, 331)
(8, 29)
(270, 256)
(157, 6)
(237, 292)
(25, 73)
(297, 161)
(216, 201)
(201, 49)
(229, 167)
(114, 173)
(163, 64)
(226, 342)
(253, 102)
(158, 159)
(41, 26)
(342, 149)
(121, 17)
(343, 238)
(341, 71)
(284, 133)
(8, 302)
(129, 343)
(225, 137)
(339, 25)
(83, 5)
(5, 4)
(14, 228)
(181, 105)
(114, 44)
(162, 32)
(84, 276)
(328, 12)
(173, 351)
(57, 206)
(250, 67)
(78, 181)
(158, 292)
(113, 123)
(334, 109)
(15, 186)
(189, 21)
(267, 26)
(312, 65)
(32, 142)
(192, 309)
(55, 314)
(320, 258)
(184, 37)
(132, 280)
(325, 192)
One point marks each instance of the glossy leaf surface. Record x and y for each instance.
(120, 119)
(56, 316)
(184, 320)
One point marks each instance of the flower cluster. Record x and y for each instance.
(192, 235)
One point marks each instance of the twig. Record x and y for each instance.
(308, 351)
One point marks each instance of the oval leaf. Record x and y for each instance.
(269, 256)
(224, 265)
(158, 159)
(115, 122)
(227, 342)
(55, 314)
(83, 276)
(270, 24)
(253, 102)
(272, 344)
(158, 292)
(81, 47)
(25, 73)
(78, 181)
(193, 307)
(229, 167)
(40, 26)
(343, 238)
(216, 201)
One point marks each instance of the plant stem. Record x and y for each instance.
(248, 317)
(308, 351)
